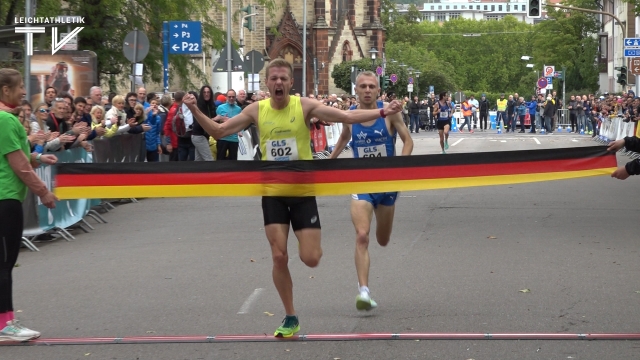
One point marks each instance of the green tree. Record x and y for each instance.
(567, 40)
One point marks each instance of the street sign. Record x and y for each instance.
(549, 87)
(549, 80)
(379, 70)
(549, 70)
(410, 80)
(142, 42)
(72, 44)
(542, 83)
(431, 89)
(237, 63)
(393, 78)
(558, 74)
(410, 88)
(185, 37)
(634, 66)
(631, 52)
(632, 43)
(254, 62)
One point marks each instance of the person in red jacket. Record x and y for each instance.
(172, 138)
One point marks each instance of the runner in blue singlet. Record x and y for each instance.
(443, 112)
(375, 138)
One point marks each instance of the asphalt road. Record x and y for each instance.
(456, 264)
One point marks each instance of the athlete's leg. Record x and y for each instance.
(384, 223)
(441, 134)
(310, 249)
(277, 235)
(361, 215)
(446, 134)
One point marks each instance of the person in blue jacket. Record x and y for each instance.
(533, 105)
(522, 112)
(152, 137)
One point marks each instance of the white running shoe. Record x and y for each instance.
(16, 332)
(365, 302)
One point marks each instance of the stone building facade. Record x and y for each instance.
(337, 31)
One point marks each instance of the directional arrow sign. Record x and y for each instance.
(630, 43)
(185, 37)
(631, 52)
(634, 66)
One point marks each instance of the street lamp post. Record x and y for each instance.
(410, 69)
(417, 72)
(373, 52)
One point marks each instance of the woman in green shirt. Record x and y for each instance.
(16, 176)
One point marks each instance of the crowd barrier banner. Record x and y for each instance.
(333, 132)
(38, 219)
(336, 177)
(120, 149)
(319, 138)
(245, 147)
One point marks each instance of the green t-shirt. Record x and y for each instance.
(12, 138)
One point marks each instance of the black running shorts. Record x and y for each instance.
(301, 212)
(440, 124)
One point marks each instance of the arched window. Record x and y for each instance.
(346, 51)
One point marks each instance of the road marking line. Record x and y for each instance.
(250, 300)
(503, 140)
(457, 142)
(537, 141)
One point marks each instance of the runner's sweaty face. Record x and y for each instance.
(367, 89)
(279, 83)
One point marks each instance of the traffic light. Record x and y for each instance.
(622, 77)
(384, 82)
(533, 9)
(248, 22)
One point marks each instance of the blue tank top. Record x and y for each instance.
(374, 140)
(445, 111)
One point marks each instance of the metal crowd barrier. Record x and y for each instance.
(615, 128)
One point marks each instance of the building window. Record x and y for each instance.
(493, 8)
(508, 7)
(447, 7)
(455, 7)
(463, 7)
(426, 17)
(493, 17)
(439, 7)
(432, 7)
(454, 15)
(515, 7)
(499, 7)
(346, 52)
(478, 7)
(485, 8)
(441, 17)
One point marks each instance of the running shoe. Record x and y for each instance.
(443, 152)
(289, 327)
(446, 145)
(365, 302)
(16, 332)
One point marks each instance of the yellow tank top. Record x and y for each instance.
(502, 105)
(284, 134)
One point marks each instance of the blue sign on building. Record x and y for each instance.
(631, 52)
(185, 37)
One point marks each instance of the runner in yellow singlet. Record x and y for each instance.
(283, 124)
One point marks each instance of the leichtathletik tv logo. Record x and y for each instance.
(31, 27)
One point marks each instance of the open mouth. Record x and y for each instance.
(279, 92)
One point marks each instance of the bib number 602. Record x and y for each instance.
(281, 151)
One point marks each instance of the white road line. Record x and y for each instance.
(537, 141)
(457, 142)
(250, 300)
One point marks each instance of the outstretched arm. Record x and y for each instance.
(231, 126)
(316, 109)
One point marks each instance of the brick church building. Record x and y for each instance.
(337, 31)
